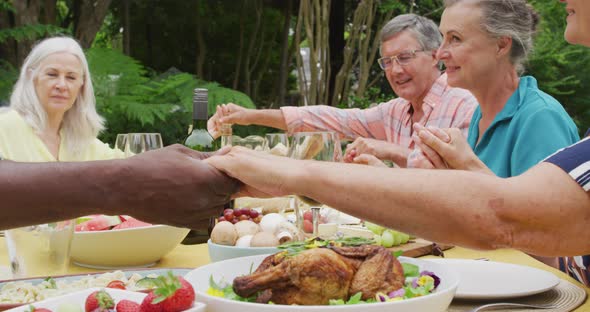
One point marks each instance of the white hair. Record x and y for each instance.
(81, 124)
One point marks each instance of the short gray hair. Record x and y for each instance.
(81, 123)
(508, 18)
(424, 30)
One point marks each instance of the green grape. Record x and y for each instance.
(377, 239)
(377, 229)
(387, 239)
(405, 238)
(397, 237)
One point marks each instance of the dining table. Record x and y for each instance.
(193, 256)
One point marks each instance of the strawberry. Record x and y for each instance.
(148, 306)
(99, 300)
(127, 306)
(116, 284)
(172, 294)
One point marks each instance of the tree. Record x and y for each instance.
(312, 22)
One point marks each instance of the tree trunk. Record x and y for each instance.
(126, 28)
(238, 69)
(49, 12)
(27, 13)
(314, 17)
(8, 47)
(88, 20)
(201, 45)
(250, 52)
(284, 66)
(336, 44)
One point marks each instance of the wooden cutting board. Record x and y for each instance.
(420, 247)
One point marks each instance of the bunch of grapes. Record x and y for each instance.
(236, 215)
(387, 237)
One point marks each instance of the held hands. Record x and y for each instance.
(262, 174)
(444, 148)
(226, 113)
(173, 185)
(367, 159)
(376, 148)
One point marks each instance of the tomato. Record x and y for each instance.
(116, 284)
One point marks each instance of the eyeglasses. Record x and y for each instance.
(402, 59)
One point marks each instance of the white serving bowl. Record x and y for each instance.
(222, 252)
(126, 248)
(227, 270)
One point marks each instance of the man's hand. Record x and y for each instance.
(377, 148)
(173, 186)
(226, 113)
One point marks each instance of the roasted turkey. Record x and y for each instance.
(315, 276)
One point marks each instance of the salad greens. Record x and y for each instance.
(294, 248)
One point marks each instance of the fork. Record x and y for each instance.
(513, 305)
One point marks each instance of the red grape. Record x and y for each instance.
(238, 212)
(228, 216)
(221, 219)
(244, 217)
(253, 213)
(228, 210)
(235, 220)
(257, 219)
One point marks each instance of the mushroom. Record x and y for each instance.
(224, 233)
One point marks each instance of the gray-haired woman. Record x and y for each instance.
(52, 115)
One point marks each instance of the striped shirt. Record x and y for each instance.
(575, 160)
(444, 107)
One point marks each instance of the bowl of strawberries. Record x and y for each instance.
(108, 242)
(169, 294)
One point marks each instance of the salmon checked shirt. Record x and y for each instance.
(444, 107)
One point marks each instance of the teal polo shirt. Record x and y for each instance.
(531, 126)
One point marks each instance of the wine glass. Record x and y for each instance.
(319, 146)
(142, 142)
(121, 141)
(277, 144)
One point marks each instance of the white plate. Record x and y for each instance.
(496, 280)
(227, 270)
(79, 298)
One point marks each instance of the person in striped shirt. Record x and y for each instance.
(543, 211)
(408, 46)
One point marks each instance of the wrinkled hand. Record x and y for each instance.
(262, 174)
(366, 159)
(175, 186)
(377, 148)
(226, 113)
(448, 148)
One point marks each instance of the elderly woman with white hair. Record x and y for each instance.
(52, 114)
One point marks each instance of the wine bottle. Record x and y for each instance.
(199, 138)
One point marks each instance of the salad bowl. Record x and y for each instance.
(225, 271)
(125, 248)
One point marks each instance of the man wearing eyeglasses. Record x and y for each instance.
(408, 48)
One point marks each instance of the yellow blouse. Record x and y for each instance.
(18, 142)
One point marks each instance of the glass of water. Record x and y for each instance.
(39, 250)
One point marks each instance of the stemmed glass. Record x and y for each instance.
(320, 146)
(121, 142)
(142, 142)
(277, 144)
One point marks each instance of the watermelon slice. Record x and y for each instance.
(131, 223)
(98, 223)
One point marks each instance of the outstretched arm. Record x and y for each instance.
(464, 208)
(171, 185)
(235, 114)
